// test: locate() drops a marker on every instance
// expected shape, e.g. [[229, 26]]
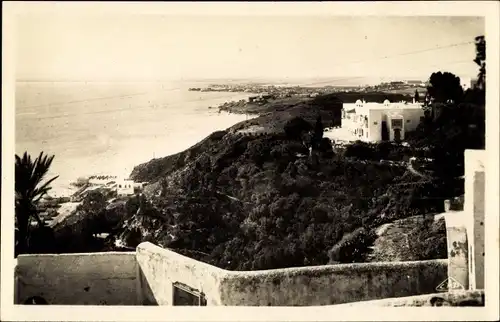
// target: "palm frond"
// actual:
[[28, 183], [41, 191]]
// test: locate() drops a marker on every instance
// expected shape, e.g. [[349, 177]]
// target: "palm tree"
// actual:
[[29, 190]]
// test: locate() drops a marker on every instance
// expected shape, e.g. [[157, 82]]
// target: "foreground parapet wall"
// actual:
[[332, 284], [156, 276], [78, 279], [161, 270]]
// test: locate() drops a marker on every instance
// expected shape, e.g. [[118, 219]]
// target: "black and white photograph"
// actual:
[[171, 159]]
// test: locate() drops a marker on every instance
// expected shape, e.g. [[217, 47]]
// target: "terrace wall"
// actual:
[[332, 284], [160, 268], [108, 278], [303, 286]]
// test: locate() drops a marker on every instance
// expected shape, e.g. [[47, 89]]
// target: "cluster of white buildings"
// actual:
[[122, 187], [374, 122]]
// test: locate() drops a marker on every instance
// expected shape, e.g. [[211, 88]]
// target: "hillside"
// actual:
[[248, 202], [254, 203], [409, 239]]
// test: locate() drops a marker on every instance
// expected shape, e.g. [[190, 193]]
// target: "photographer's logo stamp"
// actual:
[[449, 284]]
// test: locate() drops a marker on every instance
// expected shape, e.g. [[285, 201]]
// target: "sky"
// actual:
[[153, 47]]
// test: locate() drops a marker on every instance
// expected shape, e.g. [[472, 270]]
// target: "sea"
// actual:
[[107, 128]]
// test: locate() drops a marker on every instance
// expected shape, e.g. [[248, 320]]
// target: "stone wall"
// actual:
[[160, 268], [332, 284], [148, 277], [93, 279]]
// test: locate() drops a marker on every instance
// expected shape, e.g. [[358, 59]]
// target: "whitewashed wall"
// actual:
[[93, 279]]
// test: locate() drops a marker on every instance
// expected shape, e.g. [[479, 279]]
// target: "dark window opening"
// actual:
[[186, 295], [35, 300], [397, 122]]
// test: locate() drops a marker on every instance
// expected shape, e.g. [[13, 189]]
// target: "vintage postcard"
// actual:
[[267, 161]]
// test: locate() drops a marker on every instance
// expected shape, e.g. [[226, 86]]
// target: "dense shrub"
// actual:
[[353, 247], [295, 127], [360, 150], [325, 148], [429, 240]]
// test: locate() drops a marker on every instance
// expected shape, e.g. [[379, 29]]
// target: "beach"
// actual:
[[108, 128]]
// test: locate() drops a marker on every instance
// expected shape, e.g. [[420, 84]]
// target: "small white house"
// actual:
[[125, 187]]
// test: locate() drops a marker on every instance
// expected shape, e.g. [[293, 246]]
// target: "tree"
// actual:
[[318, 133], [94, 207], [427, 99], [417, 97], [480, 60], [444, 87], [353, 247], [29, 189], [295, 127]]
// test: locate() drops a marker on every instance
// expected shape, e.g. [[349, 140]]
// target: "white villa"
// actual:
[[374, 122]]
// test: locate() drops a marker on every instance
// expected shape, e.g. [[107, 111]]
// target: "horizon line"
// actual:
[[334, 78]]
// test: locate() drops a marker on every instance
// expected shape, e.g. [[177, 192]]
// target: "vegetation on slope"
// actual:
[[257, 203], [410, 239]]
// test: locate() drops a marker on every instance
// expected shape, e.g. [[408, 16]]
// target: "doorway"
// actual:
[[397, 135], [385, 131]]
